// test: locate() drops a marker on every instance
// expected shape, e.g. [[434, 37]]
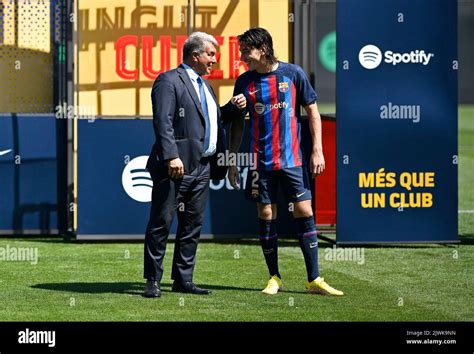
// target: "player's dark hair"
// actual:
[[259, 38]]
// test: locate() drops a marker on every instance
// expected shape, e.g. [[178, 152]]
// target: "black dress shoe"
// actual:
[[152, 289], [189, 287]]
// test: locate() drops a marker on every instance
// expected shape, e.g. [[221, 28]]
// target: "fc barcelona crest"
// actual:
[[255, 193], [283, 86]]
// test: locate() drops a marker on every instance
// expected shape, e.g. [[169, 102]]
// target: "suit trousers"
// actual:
[[187, 196]]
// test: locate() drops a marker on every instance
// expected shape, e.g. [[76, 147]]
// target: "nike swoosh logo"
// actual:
[[4, 152], [312, 245], [299, 195], [253, 92]]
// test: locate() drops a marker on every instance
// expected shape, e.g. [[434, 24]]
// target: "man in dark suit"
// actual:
[[189, 136]]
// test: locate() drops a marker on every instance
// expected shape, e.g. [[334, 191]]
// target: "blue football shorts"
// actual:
[[262, 186]]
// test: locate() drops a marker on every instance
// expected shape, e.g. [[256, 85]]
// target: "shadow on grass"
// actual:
[[124, 287], [322, 244], [467, 239], [94, 288], [37, 238], [283, 241]]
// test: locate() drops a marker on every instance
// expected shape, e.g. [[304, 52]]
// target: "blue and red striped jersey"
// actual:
[[274, 103]]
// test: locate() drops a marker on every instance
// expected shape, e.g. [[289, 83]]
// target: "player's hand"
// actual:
[[317, 164], [239, 101], [234, 177], [175, 168]]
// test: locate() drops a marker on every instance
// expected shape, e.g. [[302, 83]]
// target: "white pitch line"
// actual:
[[466, 211]]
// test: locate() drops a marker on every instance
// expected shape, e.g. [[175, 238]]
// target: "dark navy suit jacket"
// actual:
[[179, 123]]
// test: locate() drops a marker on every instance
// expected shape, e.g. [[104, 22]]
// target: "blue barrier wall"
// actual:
[[28, 174], [396, 121], [112, 156]]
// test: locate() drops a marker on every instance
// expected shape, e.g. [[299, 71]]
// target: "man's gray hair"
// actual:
[[196, 42]]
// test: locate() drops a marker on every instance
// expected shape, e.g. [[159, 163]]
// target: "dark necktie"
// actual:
[[202, 93]]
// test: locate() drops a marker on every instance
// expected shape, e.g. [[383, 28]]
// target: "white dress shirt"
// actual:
[[211, 108]]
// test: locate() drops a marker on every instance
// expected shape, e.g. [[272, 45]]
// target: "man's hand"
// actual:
[[234, 177], [316, 164], [239, 101], [175, 168]]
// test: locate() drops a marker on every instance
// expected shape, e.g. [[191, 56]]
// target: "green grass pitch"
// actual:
[[102, 281]]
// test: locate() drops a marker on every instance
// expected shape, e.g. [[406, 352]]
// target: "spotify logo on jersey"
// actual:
[[259, 107]]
